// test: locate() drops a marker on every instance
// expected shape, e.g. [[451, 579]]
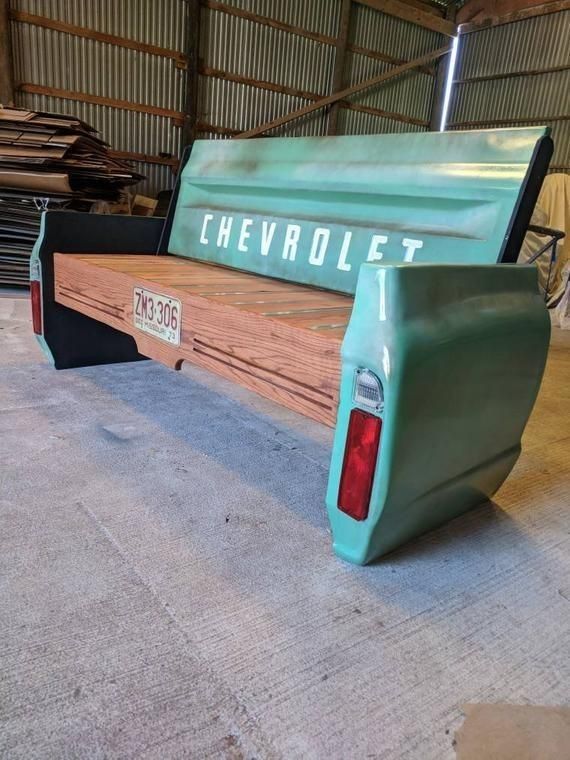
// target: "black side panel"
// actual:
[[74, 339], [527, 201], [165, 237]]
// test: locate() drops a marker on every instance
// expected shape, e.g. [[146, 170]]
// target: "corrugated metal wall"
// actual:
[[55, 59], [484, 95], [245, 62], [252, 69]]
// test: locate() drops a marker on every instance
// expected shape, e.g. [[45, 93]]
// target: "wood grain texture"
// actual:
[[279, 339], [93, 34]]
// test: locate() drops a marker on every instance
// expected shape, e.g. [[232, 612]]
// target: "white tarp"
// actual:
[[553, 210]]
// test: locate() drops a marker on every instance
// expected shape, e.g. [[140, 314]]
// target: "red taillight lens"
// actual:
[[36, 295], [360, 455]]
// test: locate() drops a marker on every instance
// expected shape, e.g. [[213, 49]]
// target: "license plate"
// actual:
[[157, 315]]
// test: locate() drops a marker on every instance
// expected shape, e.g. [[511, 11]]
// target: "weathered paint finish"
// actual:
[[460, 352], [312, 210]]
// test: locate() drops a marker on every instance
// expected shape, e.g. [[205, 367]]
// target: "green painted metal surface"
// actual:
[[460, 352], [415, 225], [313, 209]]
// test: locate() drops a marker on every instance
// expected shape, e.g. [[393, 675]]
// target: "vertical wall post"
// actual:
[[442, 69], [192, 31], [339, 56], [6, 63]]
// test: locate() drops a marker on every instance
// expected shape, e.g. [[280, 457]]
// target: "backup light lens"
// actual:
[[368, 390], [360, 456], [36, 297]]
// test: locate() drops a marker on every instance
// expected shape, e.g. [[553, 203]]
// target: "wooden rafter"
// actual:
[[528, 120], [99, 100], [413, 14], [347, 92], [216, 5], [521, 15], [92, 34], [514, 74], [306, 95], [231, 10]]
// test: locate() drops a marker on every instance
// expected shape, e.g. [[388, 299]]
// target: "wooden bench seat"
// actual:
[[353, 279], [278, 338]]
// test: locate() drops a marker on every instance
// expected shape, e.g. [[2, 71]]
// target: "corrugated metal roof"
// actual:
[[229, 43], [64, 61], [254, 50], [156, 22], [55, 59], [391, 35], [358, 123], [240, 107], [124, 130], [243, 47], [525, 97], [538, 43], [410, 94], [321, 16]]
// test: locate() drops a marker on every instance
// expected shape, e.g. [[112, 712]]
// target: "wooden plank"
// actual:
[[402, 117], [378, 56], [487, 123], [513, 74], [312, 96], [339, 59], [361, 86], [412, 14], [6, 64], [92, 34], [262, 84], [300, 32], [267, 21], [99, 100], [521, 15], [291, 357]]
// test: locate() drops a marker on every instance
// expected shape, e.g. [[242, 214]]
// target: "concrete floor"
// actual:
[[167, 587]]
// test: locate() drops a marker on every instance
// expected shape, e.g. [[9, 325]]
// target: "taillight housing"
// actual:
[[360, 457], [36, 297]]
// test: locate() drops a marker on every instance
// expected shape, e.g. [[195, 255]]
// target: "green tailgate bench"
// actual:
[[364, 281]]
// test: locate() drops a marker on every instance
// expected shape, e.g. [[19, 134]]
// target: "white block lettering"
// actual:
[[244, 234], [224, 231], [203, 238], [342, 263], [292, 235], [267, 232], [373, 253], [411, 246], [319, 245]]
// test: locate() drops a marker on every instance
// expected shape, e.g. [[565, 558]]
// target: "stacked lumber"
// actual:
[[49, 161]]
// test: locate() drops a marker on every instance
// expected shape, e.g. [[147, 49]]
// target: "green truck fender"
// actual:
[[459, 353]]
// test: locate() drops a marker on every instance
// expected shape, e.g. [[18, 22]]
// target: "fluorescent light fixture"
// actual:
[[449, 83]]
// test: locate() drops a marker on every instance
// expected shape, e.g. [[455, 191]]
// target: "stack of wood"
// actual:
[[49, 161]]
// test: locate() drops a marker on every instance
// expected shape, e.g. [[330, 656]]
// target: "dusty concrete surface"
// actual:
[[167, 587]]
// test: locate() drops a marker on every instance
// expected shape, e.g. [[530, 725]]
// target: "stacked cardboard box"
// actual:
[[49, 161]]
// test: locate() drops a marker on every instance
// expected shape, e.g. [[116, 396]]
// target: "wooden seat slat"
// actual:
[[277, 338]]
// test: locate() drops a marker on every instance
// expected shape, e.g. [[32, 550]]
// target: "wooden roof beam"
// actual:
[[413, 14]]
